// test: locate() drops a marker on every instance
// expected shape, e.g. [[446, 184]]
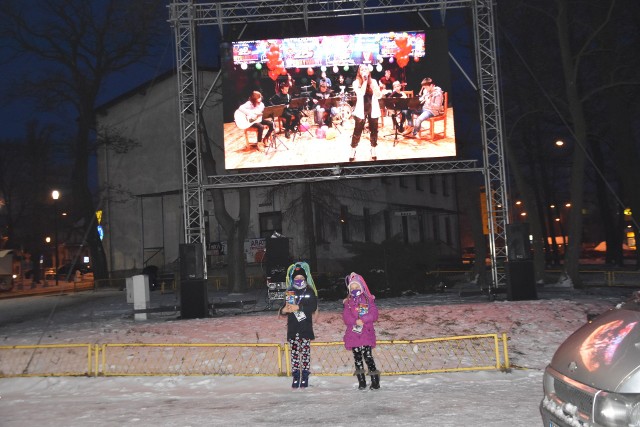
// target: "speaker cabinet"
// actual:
[[521, 281], [194, 301], [518, 245], [277, 252], [191, 260]]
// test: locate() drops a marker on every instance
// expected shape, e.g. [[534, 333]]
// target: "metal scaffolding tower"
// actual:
[[186, 16]]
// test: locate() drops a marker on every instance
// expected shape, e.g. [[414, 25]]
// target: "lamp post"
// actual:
[[55, 195], [44, 270]]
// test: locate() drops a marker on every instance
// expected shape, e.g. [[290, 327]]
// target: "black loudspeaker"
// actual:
[[191, 261], [518, 244], [277, 253], [194, 301], [521, 281]]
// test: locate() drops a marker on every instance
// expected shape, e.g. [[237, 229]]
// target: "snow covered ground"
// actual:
[[535, 329]]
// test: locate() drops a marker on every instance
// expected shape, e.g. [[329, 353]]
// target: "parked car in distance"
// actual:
[[594, 376]]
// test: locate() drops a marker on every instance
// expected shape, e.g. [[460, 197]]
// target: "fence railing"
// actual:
[[46, 360], [449, 354]]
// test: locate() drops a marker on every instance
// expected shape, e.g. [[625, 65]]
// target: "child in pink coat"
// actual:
[[359, 314]]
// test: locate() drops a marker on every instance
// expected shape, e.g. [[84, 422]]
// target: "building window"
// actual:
[[447, 230], [432, 184], [419, 186], [387, 225], [367, 224], [435, 227], [445, 185], [344, 224], [385, 180], [421, 229], [403, 181], [405, 229], [270, 222], [319, 220]]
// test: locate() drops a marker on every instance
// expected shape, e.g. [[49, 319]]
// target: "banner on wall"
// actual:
[[254, 249]]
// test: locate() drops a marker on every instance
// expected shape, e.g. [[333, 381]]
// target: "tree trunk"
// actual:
[[309, 228], [574, 248], [531, 205], [83, 199], [236, 231]]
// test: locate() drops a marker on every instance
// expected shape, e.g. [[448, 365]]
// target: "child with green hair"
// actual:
[[301, 302]]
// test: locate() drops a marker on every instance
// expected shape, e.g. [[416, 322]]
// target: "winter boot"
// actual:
[[362, 382], [375, 381], [304, 381], [296, 379]]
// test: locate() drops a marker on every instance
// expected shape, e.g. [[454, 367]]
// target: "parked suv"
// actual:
[[594, 376]]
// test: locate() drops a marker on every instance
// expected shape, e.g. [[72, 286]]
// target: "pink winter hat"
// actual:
[[356, 278]]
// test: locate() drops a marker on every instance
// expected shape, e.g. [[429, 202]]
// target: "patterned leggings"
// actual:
[[300, 353], [364, 352]]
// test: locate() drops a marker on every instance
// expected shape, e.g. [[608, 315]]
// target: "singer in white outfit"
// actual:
[[367, 108]]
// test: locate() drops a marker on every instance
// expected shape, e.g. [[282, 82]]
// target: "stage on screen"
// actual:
[[306, 87]]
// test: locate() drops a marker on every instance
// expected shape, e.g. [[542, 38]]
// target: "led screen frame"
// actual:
[[246, 68]]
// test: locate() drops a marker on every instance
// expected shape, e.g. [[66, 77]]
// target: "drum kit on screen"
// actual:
[[344, 101]]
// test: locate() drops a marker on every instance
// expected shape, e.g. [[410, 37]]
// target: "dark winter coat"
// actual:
[[308, 303], [350, 314]]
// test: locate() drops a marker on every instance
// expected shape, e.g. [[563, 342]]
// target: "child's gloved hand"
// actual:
[[290, 308]]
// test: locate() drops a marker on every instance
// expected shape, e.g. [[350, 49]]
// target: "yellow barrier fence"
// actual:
[[45, 360], [451, 354], [190, 359]]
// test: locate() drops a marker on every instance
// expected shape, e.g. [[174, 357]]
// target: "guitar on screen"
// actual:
[[243, 121]]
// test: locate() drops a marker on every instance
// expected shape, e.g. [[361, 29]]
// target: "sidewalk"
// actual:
[[27, 287]]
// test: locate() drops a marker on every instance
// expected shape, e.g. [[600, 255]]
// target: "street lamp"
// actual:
[[55, 195]]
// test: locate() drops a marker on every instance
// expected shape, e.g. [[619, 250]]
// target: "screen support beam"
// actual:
[[185, 16]]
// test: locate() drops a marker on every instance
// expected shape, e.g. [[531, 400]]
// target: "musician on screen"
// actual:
[[387, 80], [291, 116], [431, 98], [399, 116], [252, 110], [325, 79], [367, 107], [322, 116], [340, 85]]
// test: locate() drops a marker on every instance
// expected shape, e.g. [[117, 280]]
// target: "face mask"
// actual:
[[299, 283], [355, 293]]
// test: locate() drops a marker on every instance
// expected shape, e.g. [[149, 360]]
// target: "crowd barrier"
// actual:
[[449, 354]]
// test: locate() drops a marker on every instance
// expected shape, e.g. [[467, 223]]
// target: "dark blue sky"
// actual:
[[15, 113]]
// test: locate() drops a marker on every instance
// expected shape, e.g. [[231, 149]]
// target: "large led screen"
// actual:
[[308, 93]]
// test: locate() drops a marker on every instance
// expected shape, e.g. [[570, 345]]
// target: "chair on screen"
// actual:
[[251, 142]]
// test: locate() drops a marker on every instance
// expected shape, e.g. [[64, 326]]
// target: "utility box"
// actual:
[[138, 294]]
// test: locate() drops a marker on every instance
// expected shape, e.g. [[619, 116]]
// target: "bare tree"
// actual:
[[572, 41], [78, 46]]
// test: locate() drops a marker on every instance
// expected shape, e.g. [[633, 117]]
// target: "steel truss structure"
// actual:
[[186, 16]]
